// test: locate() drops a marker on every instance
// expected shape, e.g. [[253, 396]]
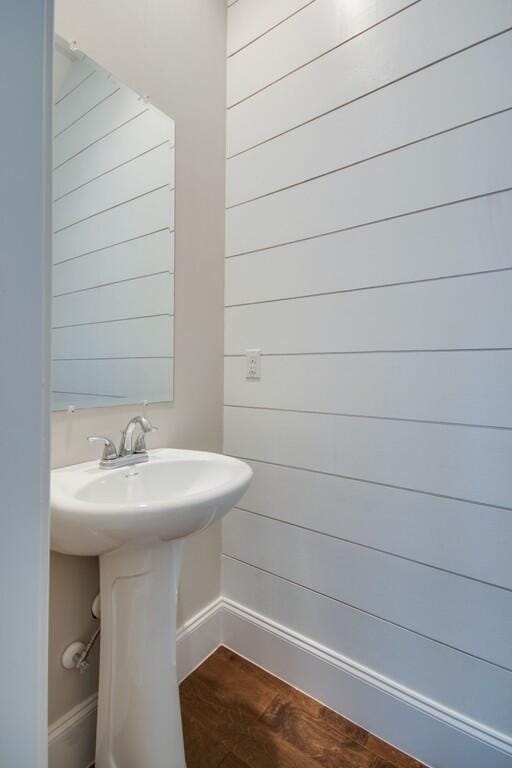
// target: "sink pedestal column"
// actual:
[[139, 720]]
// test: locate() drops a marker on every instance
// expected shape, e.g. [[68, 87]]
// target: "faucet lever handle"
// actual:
[[109, 451]]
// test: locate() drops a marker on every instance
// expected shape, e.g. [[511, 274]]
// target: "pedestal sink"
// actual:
[[135, 518]]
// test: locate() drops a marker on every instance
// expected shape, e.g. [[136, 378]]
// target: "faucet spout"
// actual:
[[127, 446]]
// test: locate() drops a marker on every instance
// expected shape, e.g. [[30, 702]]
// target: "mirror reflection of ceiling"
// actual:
[[113, 245], [62, 65]]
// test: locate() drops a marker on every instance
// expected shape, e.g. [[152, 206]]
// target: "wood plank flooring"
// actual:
[[235, 715]]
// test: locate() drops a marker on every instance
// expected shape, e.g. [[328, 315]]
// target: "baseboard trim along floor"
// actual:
[[418, 726], [71, 739]]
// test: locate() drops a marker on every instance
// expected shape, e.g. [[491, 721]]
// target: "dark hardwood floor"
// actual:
[[235, 715]]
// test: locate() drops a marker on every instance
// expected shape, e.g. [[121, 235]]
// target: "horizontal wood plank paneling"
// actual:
[[402, 317], [137, 337], [368, 240], [151, 212], [144, 255], [84, 98], [425, 600], [456, 387], [407, 111], [379, 645], [450, 240], [319, 27], [122, 106], [463, 462], [61, 400], [143, 174], [147, 130], [75, 75], [116, 378], [457, 536], [113, 247], [403, 44], [474, 160], [247, 20], [140, 297]]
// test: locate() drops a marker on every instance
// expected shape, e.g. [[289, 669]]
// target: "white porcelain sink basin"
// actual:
[[174, 494], [135, 518]]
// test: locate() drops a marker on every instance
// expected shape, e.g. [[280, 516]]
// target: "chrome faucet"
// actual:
[[127, 446], [130, 451]]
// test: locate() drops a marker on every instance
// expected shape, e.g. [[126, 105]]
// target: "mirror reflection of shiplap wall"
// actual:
[[113, 247]]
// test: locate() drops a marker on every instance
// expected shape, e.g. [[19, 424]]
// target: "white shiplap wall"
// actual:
[[369, 210], [113, 248]]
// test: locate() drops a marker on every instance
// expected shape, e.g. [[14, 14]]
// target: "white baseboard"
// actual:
[[198, 638], [431, 732], [71, 739]]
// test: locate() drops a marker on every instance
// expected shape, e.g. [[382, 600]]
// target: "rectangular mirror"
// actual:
[[113, 242]]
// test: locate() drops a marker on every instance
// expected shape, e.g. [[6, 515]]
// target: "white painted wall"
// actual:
[[175, 53], [368, 255], [26, 49], [113, 244]]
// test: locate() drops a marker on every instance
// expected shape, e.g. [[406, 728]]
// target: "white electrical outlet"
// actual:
[[253, 364]]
